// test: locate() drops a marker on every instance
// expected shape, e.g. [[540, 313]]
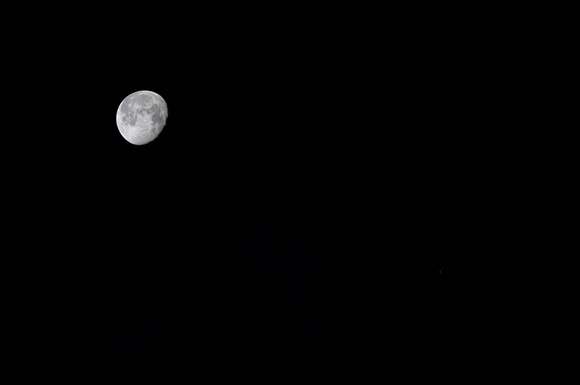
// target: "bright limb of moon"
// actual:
[[141, 117]]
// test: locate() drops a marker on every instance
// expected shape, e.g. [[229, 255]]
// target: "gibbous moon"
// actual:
[[141, 117]]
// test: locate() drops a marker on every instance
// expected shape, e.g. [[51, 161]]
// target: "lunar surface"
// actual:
[[141, 117]]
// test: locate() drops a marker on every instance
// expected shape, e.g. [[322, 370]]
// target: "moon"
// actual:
[[141, 117]]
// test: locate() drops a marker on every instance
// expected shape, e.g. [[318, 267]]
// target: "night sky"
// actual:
[[298, 220]]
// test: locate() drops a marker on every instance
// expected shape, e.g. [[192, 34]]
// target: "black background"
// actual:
[[299, 217]]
